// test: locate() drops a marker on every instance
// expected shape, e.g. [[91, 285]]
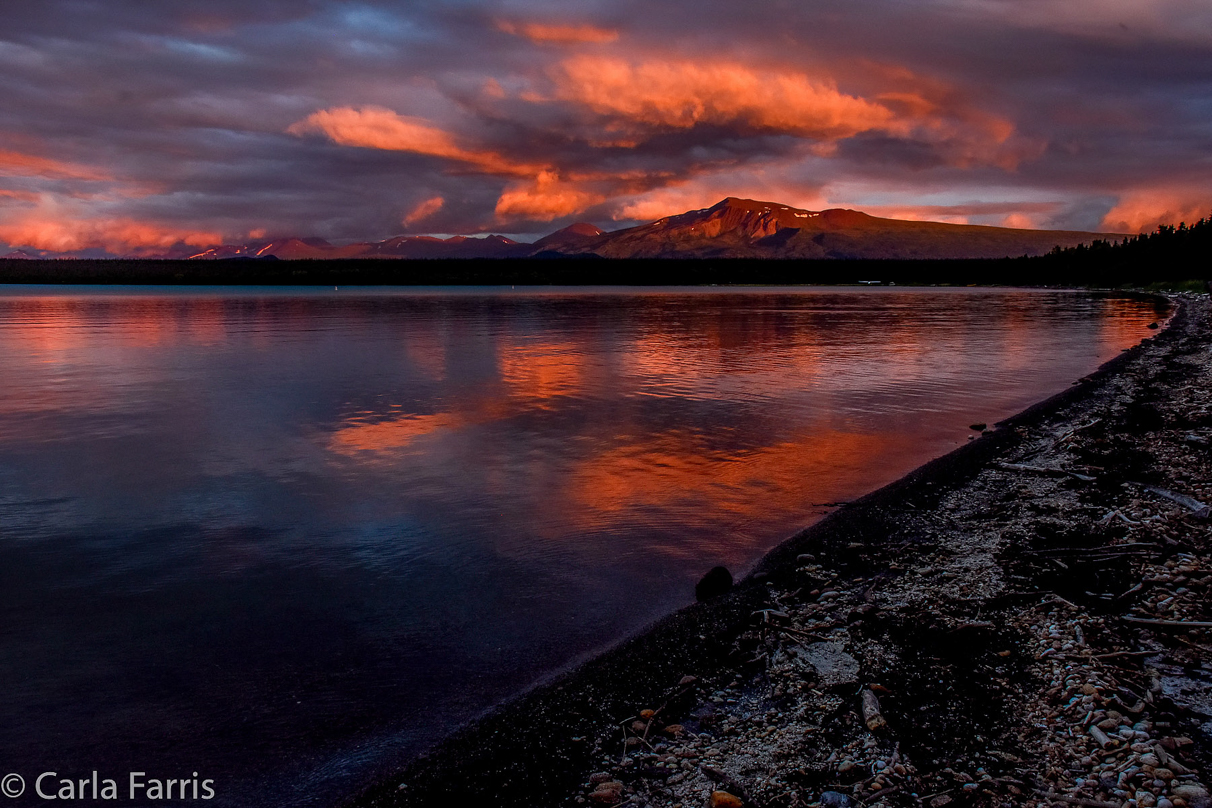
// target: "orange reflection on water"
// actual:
[[539, 372], [356, 436], [676, 470]]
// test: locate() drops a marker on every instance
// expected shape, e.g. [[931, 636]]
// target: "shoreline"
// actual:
[[557, 743]]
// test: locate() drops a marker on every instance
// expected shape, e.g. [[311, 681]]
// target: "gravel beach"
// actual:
[[1024, 622]]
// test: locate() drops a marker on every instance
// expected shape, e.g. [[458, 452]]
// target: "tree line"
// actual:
[[1169, 253]]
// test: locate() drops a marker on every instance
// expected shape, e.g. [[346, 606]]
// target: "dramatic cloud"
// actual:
[[544, 199], [63, 233], [124, 130], [423, 211], [685, 94], [376, 128], [543, 33], [1144, 210], [15, 163]]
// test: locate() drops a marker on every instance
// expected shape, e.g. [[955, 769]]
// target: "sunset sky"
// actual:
[[133, 126]]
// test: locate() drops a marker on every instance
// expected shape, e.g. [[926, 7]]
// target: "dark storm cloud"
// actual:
[[128, 125]]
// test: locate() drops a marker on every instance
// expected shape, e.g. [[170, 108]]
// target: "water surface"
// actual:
[[287, 538]]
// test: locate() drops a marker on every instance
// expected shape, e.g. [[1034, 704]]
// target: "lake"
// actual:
[[287, 538]]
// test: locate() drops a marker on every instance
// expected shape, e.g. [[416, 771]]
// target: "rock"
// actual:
[[647, 714], [1153, 326], [978, 427], [715, 583], [835, 799], [833, 665], [940, 801], [675, 729], [722, 799], [1189, 791], [687, 680], [608, 793], [600, 777]]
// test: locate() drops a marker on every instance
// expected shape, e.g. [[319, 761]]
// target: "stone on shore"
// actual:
[[722, 799], [715, 583]]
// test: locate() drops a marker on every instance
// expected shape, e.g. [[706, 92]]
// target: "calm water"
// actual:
[[286, 538]]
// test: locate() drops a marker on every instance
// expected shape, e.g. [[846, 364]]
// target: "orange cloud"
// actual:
[[378, 128], [545, 198], [423, 211], [683, 94], [542, 33], [67, 233], [1023, 215], [29, 165], [1143, 210]]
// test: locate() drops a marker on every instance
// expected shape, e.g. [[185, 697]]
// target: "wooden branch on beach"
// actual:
[[1051, 472], [1144, 621], [1085, 803], [1200, 509], [1074, 431], [871, 711]]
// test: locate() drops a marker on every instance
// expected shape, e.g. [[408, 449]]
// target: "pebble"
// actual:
[[722, 799], [608, 793], [835, 799], [1189, 791]]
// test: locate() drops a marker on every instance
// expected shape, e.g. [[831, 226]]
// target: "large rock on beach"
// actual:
[[715, 583]]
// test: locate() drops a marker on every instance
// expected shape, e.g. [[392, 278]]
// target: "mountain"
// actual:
[[744, 228], [733, 228], [455, 247], [399, 247], [20, 255], [571, 239]]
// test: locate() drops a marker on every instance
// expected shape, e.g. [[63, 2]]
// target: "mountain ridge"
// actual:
[[732, 228]]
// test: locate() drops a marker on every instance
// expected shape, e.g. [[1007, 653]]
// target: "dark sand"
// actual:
[[989, 602]]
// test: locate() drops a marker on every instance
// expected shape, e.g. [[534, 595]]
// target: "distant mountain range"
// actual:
[[733, 228]]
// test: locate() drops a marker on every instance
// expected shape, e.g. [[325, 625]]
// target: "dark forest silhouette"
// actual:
[[1169, 253]]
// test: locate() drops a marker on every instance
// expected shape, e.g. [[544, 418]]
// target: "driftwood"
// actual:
[[1052, 795], [1168, 623], [871, 711], [1051, 472], [1200, 509], [1099, 736]]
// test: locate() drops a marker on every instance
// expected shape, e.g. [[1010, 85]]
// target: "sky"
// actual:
[[129, 126]]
